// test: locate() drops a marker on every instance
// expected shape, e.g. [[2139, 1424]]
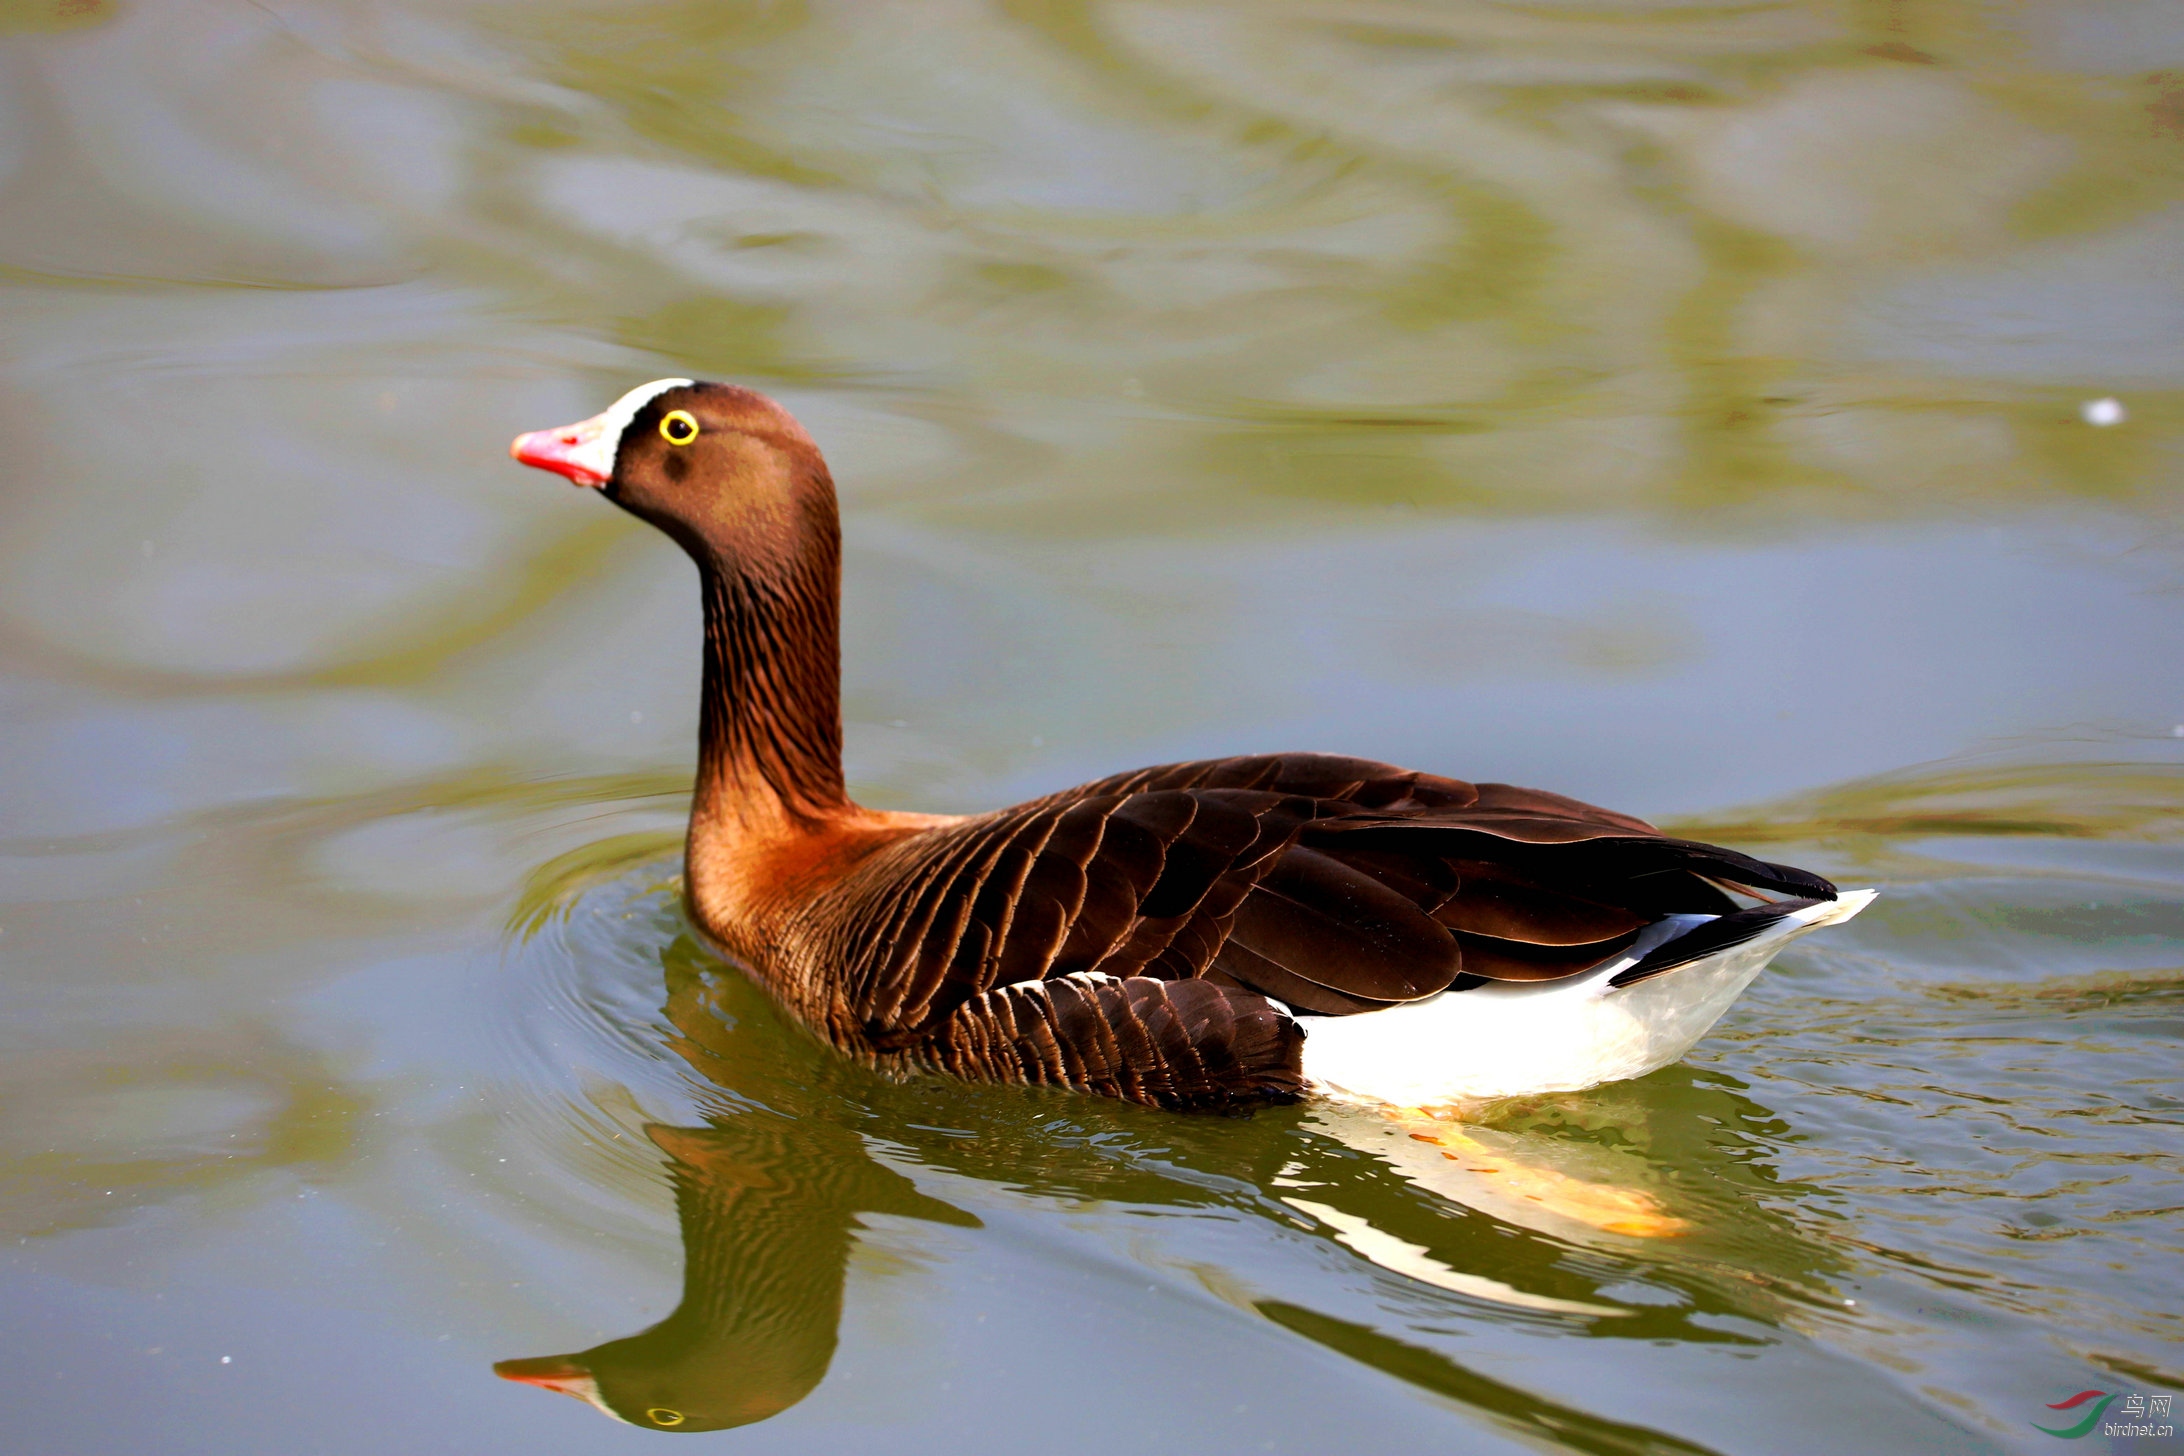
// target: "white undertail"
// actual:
[[1509, 1038]]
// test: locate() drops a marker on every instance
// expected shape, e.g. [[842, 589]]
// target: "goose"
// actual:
[[1194, 936]]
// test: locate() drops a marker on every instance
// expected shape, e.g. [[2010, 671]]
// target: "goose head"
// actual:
[[673, 1380], [723, 470]]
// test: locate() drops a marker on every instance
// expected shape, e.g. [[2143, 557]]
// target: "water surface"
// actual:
[[1682, 406]]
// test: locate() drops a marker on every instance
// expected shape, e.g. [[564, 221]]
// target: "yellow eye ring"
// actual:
[[678, 427], [660, 1415]]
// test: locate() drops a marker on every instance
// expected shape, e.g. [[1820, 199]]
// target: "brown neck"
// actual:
[[770, 721]]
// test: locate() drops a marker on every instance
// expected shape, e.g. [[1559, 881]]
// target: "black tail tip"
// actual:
[[1719, 934]]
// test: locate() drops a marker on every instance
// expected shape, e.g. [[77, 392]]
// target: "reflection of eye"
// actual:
[[660, 1415], [678, 428]]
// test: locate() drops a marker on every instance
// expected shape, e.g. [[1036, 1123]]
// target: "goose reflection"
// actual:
[[768, 1206], [768, 1202]]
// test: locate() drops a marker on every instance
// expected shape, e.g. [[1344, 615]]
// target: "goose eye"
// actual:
[[678, 428], [660, 1415]]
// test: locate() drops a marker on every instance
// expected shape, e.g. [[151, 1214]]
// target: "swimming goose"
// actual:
[[1219, 933]]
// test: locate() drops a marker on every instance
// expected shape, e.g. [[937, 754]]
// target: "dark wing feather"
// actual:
[[1503, 901], [1333, 885], [1335, 925], [1494, 959], [1118, 883]]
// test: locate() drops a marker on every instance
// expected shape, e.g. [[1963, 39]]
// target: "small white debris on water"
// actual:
[[226, 1359], [2105, 411]]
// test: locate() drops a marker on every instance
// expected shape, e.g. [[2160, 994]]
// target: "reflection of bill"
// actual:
[[767, 1205]]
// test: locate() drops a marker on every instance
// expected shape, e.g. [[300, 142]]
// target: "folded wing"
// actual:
[[1021, 945]]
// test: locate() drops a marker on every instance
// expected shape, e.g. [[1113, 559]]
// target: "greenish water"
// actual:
[[1678, 405]]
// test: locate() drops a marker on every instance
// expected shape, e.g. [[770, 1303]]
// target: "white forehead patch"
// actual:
[[599, 450], [618, 415], [586, 1388]]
